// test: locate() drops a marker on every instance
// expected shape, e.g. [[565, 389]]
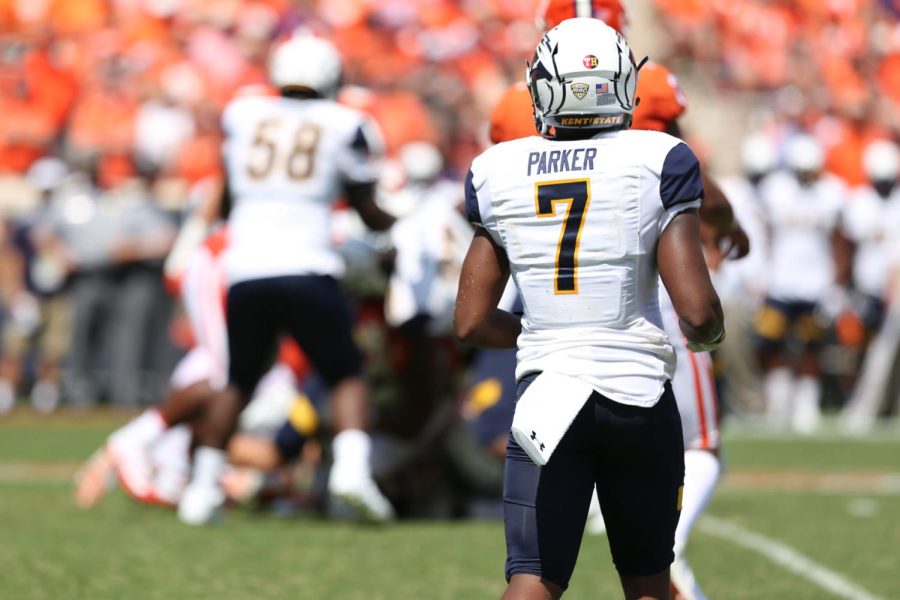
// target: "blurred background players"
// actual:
[[803, 207], [741, 283], [118, 91], [287, 159], [870, 220]]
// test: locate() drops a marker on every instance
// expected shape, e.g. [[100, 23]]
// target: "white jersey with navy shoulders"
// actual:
[[580, 221], [287, 161]]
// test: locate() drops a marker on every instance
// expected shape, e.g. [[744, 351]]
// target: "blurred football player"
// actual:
[[802, 208], [871, 220], [741, 284], [287, 160], [869, 223], [200, 281], [568, 210], [275, 426]]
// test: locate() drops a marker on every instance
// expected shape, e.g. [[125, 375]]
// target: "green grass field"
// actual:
[[835, 501]]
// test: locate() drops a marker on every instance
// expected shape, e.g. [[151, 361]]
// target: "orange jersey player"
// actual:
[[552, 12], [661, 99], [661, 103], [512, 117]]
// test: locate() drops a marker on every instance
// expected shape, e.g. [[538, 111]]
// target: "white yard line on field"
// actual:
[[786, 557]]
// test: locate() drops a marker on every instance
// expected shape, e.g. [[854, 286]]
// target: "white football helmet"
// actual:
[[582, 76], [881, 160], [803, 153], [306, 62], [421, 161], [758, 155]]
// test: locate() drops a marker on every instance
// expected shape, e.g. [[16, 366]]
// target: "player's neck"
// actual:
[[565, 135], [299, 93]]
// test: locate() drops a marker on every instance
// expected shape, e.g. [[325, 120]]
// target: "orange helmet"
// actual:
[[513, 116], [661, 99], [552, 12]]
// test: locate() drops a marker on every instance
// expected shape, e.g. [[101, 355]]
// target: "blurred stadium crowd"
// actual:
[[109, 133]]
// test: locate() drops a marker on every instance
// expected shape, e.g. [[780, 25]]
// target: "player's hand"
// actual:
[[735, 244], [706, 346], [835, 301]]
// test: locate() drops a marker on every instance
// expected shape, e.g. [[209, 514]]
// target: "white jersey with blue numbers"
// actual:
[[287, 161], [580, 221]]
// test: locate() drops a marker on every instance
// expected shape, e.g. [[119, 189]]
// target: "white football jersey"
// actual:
[[872, 223], [286, 162], [580, 221], [743, 281], [801, 220], [431, 243]]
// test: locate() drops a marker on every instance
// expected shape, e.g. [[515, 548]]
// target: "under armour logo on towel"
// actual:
[[534, 437]]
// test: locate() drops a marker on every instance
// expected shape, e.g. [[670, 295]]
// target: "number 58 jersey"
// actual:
[[287, 161], [580, 221]]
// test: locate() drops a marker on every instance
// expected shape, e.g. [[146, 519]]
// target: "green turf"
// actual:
[[814, 454], [50, 445], [829, 530], [50, 549], [63, 436]]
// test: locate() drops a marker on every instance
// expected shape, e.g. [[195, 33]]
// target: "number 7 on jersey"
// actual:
[[576, 194]]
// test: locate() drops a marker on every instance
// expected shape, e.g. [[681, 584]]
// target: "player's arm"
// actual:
[[221, 204], [213, 206], [359, 162], [477, 320], [683, 270], [361, 197], [722, 234], [717, 215], [843, 248], [715, 210]]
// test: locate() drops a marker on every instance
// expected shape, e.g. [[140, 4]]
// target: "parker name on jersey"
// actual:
[[580, 221]]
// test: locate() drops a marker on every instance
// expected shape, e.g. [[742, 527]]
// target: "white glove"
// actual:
[[708, 346], [835, 301]]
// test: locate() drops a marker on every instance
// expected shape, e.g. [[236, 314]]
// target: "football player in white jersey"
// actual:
[[150, 454], [872, 221], [869, 222], [801, 209], [287, 161], [661, 104], [586, 219]]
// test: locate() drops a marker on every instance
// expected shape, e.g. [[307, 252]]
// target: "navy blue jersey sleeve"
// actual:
[[473, 212], [680, 179], [360, 143]]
